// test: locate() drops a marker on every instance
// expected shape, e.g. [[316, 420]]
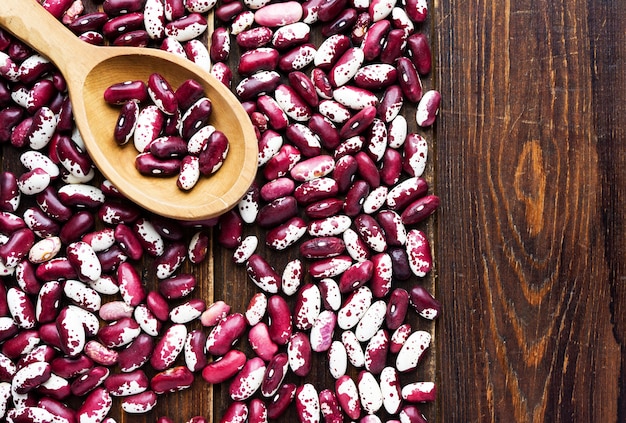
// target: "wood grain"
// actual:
[[530, 237]]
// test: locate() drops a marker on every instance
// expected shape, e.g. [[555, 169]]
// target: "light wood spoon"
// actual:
[[89, 70]]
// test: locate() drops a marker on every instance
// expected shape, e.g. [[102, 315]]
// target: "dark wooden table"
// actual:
[[530, 165], [530, 243]]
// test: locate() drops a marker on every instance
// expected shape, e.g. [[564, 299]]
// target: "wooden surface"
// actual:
[[529, 241], [530, 165]]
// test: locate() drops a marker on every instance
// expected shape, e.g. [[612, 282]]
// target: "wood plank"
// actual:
[[530, 244], [219, 278]]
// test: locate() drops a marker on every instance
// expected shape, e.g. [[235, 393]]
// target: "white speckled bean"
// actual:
[[369, 392], [337, 359], [371, 321], [292, 277], [412, 350]]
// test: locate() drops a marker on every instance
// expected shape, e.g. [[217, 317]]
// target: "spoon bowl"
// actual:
[[90, 70]]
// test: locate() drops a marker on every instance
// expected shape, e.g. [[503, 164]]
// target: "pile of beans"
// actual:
[[340, 186], [172, 135]]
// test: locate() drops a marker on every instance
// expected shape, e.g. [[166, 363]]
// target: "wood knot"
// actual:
[[530, 185]]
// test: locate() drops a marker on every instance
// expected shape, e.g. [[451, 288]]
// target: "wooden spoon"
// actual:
[[89, 70]]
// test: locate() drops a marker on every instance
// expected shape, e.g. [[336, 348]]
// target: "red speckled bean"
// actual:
[[195, 359], [307, 403], [274, 374], [277, 211], [304, 139], [262, 58], [139, 403], [322, 84], [355, 197], [281, 401], [286, 234], [214, 313], [418, 49], [424, 303], [263, 274], [370, 232], [330, 267], [136, 354], [382, 276], [324, 208], [220, 45], [227, 11], [236, 412], [224, 74], [261, 343], [419, 392], [326, 131], [70, 367], [257, 411], [340, 23], [254, 37], [30, 376], [376, 352], [131, 285], [406, 192], [57, 408], [418, 252], [177, 286], [248, 380], [225, 334], [231, 229], [277, 118], [259, 83], [322, 331], [88, 381], [322, 247], [391, 103], [169, 347], [395, 42], [171, 260], [348, 396], [299, 354], [316, 190], [420, 209], [225, 367], [409, 79], [118, 7], [282, 162], [277, 188], [297, 58], [356, 276], [119, 333], [304, 87], [331, 296], [374, 38], [428, 108], [280, 319], [172, 380], [212, 157], [292, 277], [329, 407], [276, 15], [120, 93], [187, 27], [123, 24]]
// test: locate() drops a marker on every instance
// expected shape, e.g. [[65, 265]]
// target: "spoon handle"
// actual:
[[35, 26]]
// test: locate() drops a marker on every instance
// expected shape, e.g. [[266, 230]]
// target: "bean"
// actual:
[[224, 367], [172, 380], [248, 380]]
